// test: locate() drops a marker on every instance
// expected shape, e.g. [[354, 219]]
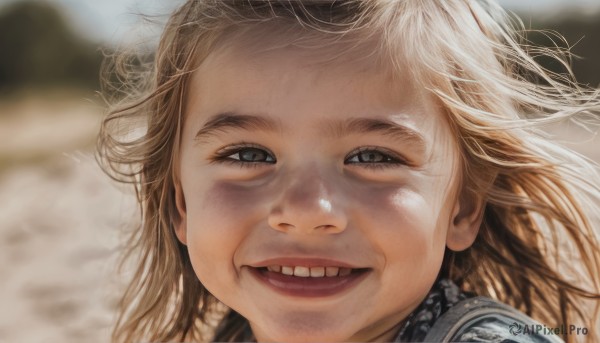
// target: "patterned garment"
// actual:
[[443, 295], [489, 320]]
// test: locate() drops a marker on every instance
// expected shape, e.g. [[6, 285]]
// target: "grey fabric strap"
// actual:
[[481, 319]]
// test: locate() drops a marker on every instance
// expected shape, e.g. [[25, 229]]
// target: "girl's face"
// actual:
[[289, 166]]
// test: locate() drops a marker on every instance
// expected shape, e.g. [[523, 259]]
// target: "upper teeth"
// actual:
[[310, 271]]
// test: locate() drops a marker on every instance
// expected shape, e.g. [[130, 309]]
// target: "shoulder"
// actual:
[[482, 319]]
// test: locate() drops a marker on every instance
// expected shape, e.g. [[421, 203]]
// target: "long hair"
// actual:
[[537, 247]]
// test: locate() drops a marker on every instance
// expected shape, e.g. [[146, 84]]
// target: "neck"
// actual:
[[385, 331]]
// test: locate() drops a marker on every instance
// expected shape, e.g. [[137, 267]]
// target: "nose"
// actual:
[[310, 203]]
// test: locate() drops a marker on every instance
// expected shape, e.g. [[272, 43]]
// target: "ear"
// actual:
[[466, 219], [180, 223]]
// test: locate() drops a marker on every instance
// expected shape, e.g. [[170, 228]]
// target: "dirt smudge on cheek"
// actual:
[[235, 202]]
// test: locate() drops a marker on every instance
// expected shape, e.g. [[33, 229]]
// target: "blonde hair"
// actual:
[[542, 201]]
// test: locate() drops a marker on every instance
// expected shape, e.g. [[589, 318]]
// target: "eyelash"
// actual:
[[224, 156], [393, 159]]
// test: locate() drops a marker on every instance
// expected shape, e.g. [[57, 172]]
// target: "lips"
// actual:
[[308, 277]]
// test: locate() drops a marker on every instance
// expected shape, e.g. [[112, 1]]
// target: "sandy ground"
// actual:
[[61, 224]]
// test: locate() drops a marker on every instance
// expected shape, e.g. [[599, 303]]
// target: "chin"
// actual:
[[306, 337], [308, 331]]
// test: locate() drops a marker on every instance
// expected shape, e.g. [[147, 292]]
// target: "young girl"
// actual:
[[362, 170]]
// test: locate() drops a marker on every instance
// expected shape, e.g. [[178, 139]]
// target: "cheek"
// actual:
[[227, 202], [408, 229], [397, 212], [219, 216]]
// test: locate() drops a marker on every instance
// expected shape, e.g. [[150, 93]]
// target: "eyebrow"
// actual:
[[230, 120], [383, 127], [338, 129]]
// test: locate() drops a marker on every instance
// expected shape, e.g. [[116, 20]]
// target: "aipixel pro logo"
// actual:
[[515, 328], [539, 329]]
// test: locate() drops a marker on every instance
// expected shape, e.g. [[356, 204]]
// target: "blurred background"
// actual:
[[61, 219]]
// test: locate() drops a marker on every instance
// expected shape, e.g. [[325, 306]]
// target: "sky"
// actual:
[[117, 21]]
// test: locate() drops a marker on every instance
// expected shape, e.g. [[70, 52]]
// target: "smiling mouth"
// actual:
[[301, 281], [302, 271]]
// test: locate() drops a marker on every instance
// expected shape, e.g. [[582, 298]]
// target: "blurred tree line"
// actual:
[[39, 50]]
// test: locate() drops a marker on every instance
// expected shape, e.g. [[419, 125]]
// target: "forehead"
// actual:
[[284, 49], [300, 80], [257, 73]]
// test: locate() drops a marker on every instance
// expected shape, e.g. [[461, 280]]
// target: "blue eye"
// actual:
[[370, 157], [252, 155], [374, 158], [244, 155]]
